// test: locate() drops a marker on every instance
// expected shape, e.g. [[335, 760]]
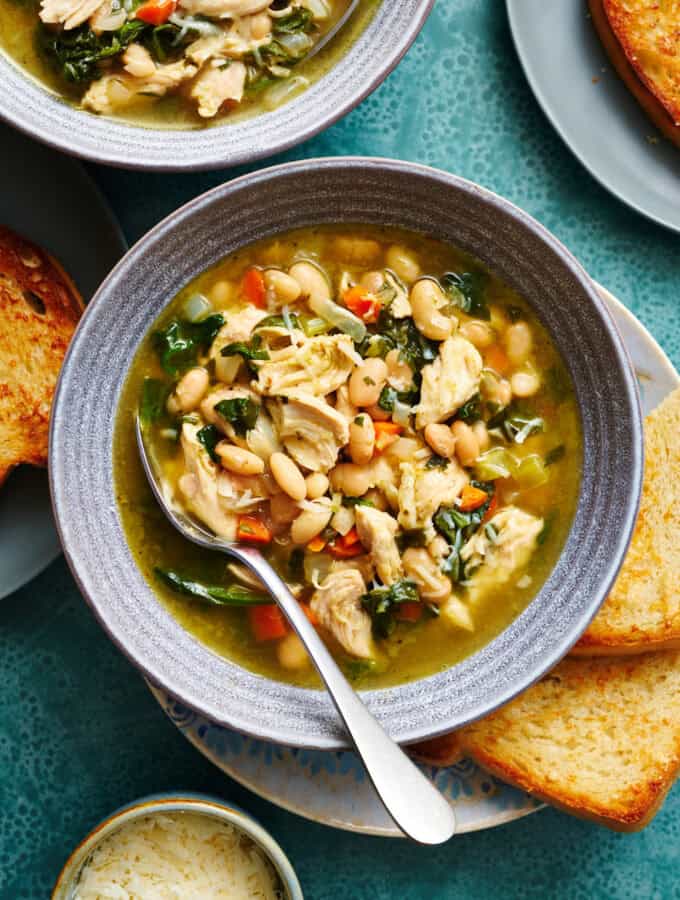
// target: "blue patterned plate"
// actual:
[[332, 788]]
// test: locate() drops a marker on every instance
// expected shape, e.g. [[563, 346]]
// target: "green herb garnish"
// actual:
[[216, 595], [381, 603]]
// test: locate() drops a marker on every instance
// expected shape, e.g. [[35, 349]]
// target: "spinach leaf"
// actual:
[[299, 19], [77, 53], [279, 322], [555, 455], [357, 668], [249, 352], [216, 595], [471, 410], [356, 501], [516, 422], [548, 525], [457, 526], [412, 537], [389, 396], [210, 437], [402, 335], [437, 462], [468, 292], [380, 604], [179, 344], [241, 412], [154, 397]]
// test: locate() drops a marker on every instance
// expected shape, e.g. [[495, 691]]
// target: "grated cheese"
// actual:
[[175, 856]]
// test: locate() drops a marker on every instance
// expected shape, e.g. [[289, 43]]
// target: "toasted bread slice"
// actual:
[[599, 738], [39, 310], [642, 611], [642, 41], [444, 750]]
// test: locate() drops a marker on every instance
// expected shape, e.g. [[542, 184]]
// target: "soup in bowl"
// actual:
[[388, 422], [398, 386]]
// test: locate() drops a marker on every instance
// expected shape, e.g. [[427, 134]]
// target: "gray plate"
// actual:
[[360, 70], [260, 205], [601, 122], [51, 201]]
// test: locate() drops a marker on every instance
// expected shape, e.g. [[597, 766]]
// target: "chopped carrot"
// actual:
[[409, 612], [349, 539], [337, 551], [362, 303], [156, 12], [496, 359], [252, 287], [267, 622], [493, 506], [253, 530], [472, 498], [388, 428], [386, 433], [316, 545]]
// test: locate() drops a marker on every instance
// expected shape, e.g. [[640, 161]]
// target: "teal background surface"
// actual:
[[79, 731]]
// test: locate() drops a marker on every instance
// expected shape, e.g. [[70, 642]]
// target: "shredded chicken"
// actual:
[[499, 549], [112, 93], [377, 532], [138, 62], [199, 485], [69, 13], [337, 605], [400, 306], [422, 491], [217, 84], [311, 431], [238, 327], [448, 381], [318, 367]]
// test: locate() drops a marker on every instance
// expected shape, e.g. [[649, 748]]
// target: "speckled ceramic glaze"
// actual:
[[256, 206], [29, 106], [185, 802]]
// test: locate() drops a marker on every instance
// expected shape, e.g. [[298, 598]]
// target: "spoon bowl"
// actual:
[[412, 801]]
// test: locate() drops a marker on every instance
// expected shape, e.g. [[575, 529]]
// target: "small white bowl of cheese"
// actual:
[[169, 846]]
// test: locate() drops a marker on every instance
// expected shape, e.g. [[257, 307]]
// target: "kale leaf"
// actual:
[[381, 603], [241, 412], [154, 397], [210, 437], [471, 410], [468, 292], [249, 352], [216, 595], [180, 342], [78, 52]]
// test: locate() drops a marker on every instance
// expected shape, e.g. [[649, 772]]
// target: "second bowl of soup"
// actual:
[[401, 415]]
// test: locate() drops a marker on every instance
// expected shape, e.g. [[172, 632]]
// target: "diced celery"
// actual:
[[531, 472], [495, 463]]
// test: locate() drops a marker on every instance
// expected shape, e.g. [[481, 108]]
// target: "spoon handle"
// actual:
[[412, 801]]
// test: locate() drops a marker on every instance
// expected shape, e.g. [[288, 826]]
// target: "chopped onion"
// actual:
[[340, 317], [401, 413], [197, 307], [297, 43], [191, 23], [285, 90], [318, 8]]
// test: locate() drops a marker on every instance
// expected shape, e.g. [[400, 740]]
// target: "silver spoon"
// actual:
[[413, 802], [330, 34]]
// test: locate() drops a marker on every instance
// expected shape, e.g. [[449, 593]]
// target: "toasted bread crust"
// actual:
[[642, 612], [441, 751], [598, 738], [39, 310], [612, 25]]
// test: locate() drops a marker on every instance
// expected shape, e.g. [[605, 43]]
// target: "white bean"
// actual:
[[222, 293], [426, 299], [359, 251], [313, 283], [260, 26], [291, 652], [441, 440], [282, 509], [518, 341], [367, 381], [524, 384], [467, 446], [350, 480], [288, 476], [402, 262], [189, 391], [239, 461], [480, 431], [317, 485], [478, 333], [284, 287], [361, 439], [310, 522]]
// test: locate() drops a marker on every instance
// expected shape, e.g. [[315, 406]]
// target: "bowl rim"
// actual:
[[198, 803], [30, 122], [558, 650]]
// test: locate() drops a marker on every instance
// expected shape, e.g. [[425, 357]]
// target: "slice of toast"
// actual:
[[39, 310], [642, 40], [642, 611], [599, 738]]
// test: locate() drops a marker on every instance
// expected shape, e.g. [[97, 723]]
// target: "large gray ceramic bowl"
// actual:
[[259, 205], [29, 106]]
